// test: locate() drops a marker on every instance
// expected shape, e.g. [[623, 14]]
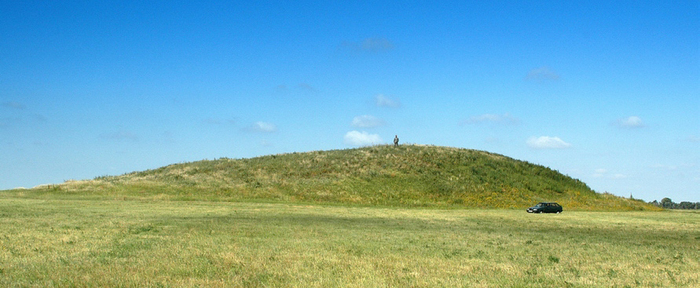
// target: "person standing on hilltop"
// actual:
[[396, 140]]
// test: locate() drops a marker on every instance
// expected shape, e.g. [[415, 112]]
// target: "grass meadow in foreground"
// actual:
[[106, 243]]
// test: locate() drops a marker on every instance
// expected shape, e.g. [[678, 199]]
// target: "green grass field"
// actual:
[[113, 243]]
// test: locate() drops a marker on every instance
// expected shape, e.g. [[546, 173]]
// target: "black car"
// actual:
[[545, 207]]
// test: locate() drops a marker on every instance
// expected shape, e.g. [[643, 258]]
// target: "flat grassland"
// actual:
[[111, 243]]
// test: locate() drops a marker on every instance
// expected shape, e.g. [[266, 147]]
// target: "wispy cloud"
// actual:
[[384, 101], [281, 88], [306, 87], [630, 122], [491, 118], [219, 121], [24, 118], [547, 142], [262, 127], [542, 74], [303, 87], [376, 45], [13, 105], [39, 118], [121, 135], [369, 45], [693, 138], [167, 137], [6, 121], [356, 138], [23, 115], [367, 121], [664, 167], [604, 173]]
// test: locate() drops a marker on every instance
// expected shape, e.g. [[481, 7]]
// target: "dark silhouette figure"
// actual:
[[396, 140]]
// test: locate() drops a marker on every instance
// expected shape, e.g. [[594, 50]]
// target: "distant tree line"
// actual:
[[669, 204]]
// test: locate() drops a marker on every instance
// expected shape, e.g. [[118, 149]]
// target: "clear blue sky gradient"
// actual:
[[604, 91]]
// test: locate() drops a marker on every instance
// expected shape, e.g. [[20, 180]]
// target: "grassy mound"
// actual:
[[409, 175]]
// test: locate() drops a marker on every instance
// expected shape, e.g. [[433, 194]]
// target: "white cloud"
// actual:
[[384, 101], [604, 173], [262, 127], [542, 74], [356, 138], [546, 142], [600, 172], [664, 167], [367, 121], [631, 122], [492, 118]]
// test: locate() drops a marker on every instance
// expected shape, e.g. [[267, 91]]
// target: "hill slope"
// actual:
[[409, 175]]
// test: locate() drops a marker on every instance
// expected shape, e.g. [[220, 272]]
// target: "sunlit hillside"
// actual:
[[408, 175]]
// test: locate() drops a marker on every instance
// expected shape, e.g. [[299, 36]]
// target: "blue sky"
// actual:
[[604, 91]]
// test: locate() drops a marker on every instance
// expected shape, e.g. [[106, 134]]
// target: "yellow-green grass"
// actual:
[[111, 243]]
